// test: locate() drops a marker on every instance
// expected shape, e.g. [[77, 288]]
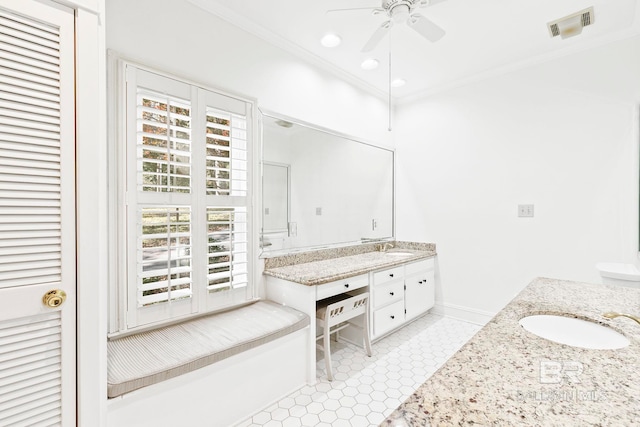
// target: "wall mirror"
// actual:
[[322, 189]]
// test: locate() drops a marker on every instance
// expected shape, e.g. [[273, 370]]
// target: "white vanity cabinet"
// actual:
[[419, 294], [400, 294]]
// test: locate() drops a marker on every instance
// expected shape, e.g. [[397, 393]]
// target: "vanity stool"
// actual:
[[333, 314]]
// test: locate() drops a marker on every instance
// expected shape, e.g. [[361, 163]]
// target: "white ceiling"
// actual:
[[483, 37]]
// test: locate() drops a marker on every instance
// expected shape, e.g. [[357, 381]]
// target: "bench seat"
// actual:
[[147, 358]]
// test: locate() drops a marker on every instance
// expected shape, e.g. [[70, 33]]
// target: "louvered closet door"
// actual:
[[37, 214]]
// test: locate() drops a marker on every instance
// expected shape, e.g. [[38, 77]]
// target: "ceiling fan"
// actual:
[[398, 12]]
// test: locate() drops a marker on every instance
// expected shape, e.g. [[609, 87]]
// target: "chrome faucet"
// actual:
[[613, 315]]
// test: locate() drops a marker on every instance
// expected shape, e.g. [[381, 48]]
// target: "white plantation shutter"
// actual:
[[37, 214], [164, 255], [227, 232], [227, 227], [159, 189], [187, 187], [164, 143], [226, 153]]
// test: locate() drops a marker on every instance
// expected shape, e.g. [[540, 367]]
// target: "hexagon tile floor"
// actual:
[[365, 390]]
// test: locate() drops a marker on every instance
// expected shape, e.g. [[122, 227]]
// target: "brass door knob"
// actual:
[[54, 298]]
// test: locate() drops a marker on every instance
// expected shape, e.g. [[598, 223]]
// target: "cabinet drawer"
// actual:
[[416, 267], [384, 276], [383, 294], [340, 286], [388, 318]]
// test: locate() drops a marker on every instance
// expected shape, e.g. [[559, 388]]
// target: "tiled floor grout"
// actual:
[[365, 390]]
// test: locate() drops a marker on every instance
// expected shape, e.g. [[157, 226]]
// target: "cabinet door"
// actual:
[[419, 293], [37, 215]]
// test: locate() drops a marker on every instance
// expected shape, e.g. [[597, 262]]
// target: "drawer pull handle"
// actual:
[[420, 282], [391, 275], [393, 317], [346, 285], [391, 293]]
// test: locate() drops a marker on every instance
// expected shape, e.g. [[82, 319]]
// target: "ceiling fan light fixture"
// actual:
[[400, 13], [330, 40], [370, 64], [398, 83]]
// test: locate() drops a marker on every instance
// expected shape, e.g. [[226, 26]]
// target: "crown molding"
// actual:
[[269, 36]]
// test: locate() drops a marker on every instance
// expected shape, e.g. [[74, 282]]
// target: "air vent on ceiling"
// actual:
[[571, 25]]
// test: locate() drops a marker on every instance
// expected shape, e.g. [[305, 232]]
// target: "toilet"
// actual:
[[617, 273]]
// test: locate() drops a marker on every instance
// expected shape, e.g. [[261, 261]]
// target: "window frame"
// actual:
[[122, 199]]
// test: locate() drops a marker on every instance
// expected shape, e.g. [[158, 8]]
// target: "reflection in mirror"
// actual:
[[275, 197], [339, 190]]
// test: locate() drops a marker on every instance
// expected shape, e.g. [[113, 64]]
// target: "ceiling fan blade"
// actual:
[[377, 36], [425, 27], [351, 9], [426, 3]]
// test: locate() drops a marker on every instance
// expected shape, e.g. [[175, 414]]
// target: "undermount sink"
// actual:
[[574, 332], [398, 253]]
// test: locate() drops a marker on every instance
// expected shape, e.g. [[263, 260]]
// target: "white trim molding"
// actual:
[[471, 315], [91, 187]]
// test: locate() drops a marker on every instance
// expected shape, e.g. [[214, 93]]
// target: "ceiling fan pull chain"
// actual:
[[389, 81]]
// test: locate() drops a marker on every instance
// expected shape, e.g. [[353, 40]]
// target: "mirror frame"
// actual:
[[277, 116]]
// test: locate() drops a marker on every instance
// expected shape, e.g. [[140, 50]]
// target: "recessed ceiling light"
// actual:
[[369, 64], [398, 83], [331, 40]]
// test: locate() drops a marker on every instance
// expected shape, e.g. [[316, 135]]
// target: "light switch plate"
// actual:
[[525, 211]]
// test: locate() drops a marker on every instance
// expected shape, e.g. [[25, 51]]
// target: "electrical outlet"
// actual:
[[266, 211], [318, 211], [374, 224], [525, 211], [293, 229]]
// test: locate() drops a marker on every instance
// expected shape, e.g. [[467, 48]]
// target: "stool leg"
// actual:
[[327, 352], [365, 333]]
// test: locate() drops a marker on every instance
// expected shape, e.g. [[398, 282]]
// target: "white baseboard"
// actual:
[[467, 314]]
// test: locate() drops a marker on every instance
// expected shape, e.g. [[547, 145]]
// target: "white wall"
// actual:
[[561, 135], [176, 37]]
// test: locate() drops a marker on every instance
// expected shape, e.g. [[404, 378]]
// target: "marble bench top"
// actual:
[[316, 269], [495, 379]]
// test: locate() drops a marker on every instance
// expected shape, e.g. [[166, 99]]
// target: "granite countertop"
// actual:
[[495, 379], [326, 266]]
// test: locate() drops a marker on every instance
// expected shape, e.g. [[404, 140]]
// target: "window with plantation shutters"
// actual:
[[187, 199]]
